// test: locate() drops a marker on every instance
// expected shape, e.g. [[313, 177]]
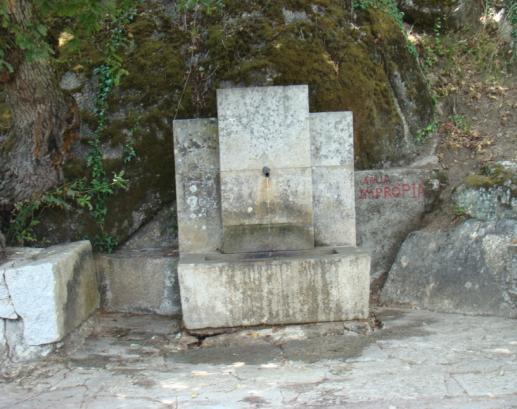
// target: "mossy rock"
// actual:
[[359, 63], [454, 14]]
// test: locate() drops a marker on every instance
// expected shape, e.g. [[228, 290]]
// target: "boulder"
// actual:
[[356, 62], [390, 204], [450, 13], [490, 195], [471, 269]]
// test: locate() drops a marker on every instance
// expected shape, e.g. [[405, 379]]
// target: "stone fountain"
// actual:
[[266, 213]]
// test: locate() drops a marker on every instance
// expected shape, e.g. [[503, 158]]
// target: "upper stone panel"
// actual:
[[332, 139], [264, 126]]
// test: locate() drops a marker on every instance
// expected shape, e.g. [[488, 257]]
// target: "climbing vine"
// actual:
[[92, 192]]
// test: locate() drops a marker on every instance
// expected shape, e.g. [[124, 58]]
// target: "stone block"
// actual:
[[334, 206], [470, 269], [332, 139], [259, 125], [196, 146], [197, 185], [140, 282], [13, 255], [323, 284], [199, 212], [53, 292], [250, 198], [391, 203]]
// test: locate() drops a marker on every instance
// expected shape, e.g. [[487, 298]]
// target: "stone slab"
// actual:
[[264, 126], [250, 198], [197, 185], [259, 128], [334, 206], [470, 269], [53, 292], [390, 203], [140, 281], [304, 287], [332, 139]]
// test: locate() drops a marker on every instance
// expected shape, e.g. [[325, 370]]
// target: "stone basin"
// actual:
[[286, 287]]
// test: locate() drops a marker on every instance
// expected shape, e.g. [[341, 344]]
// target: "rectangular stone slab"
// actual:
[[196, 157], [264, 126], [332, 151], [330, 284]]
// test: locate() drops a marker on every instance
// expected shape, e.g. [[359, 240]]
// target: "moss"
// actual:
[[492, 176], [478, 181]]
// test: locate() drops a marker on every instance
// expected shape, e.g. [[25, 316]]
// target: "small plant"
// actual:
[[459, 211], [460, 122], [422, 135]]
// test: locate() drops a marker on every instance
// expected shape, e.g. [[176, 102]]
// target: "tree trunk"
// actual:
[[45, 123]]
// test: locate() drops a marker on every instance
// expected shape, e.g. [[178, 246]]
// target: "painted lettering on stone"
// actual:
[[381, 187]]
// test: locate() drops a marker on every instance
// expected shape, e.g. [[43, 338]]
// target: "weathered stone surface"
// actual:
[[197, 170], [332, 139], [334, 206], [471, 269], [17, 348], [6, 306], [486, 203], [311, 286], [389, 205], [3, 341], [265, 161], [249, 198], [161, 231], [332, 156], [196, 154], [13, 255], [490, 195], [53, 292], [264, 126], [420, 360], [256, 208], [140, 281]]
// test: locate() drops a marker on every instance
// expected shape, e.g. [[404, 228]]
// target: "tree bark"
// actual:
[[45, 123]]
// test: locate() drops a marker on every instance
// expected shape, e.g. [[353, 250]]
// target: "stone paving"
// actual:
[[418, 359]]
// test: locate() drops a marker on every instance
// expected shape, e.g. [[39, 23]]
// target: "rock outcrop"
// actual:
[[356, 62]]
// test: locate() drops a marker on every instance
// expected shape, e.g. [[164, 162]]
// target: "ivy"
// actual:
[[91, 193]]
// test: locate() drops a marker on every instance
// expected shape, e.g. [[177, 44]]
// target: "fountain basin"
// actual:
[[269, 288]]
